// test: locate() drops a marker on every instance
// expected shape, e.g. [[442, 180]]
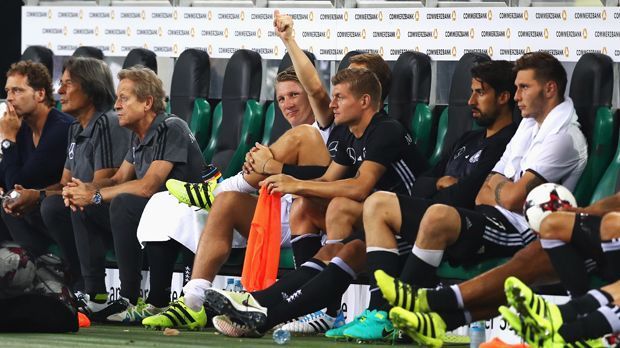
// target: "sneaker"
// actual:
[[376, 327], [193, 194], [134, 314], [428, 329], [241, 307], [313, 323], [111, 308], [400, 294], [178, 316], [88, 306], [338, 332], [224, 325], [535, 310]]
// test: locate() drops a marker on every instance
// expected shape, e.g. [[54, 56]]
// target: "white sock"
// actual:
[[194, 293], [234, 183], [432, 257]]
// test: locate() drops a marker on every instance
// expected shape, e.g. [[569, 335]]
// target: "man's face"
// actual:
[[347, 107], [72, 97], [294, 103], [130, 110], [483, 102], [23, 97], [530, 94]]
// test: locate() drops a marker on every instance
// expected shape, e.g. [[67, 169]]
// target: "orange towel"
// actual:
[[262, 256]]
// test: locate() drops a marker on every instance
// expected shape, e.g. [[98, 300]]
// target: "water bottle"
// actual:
[[477, 334], [281, 336], [230, 284]]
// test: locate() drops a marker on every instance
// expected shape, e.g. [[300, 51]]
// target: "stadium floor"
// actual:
[[122, 336]]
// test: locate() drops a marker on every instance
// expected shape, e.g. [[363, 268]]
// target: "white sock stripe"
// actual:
[[611, 245], [468, 318], [551, 243], [307, 235], [374, 249], [344, 266], [313, 265], [599, 297], [459, 297], [432, 257], [610, 314], [333, 241]]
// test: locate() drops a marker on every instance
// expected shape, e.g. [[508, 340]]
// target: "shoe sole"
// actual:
[[221, 304]]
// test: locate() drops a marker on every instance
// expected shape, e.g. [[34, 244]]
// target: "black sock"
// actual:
[[442, 300], [454, 319], [162, 257], [569, 265], [305, 247], [584, 305], [611, 250], [289, 283], [594, 325], [419, 273], [312, 296], [387, 261], [332, 308]]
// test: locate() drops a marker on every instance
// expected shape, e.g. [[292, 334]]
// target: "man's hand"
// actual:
[[280, 183], [283, 25], [259, 159], [78, 194], [21, 205], [446, 181], [10, 123]]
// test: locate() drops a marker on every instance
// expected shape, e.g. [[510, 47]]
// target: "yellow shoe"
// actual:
[[400, 294], [178, 316], [193, 194], [428, 329]]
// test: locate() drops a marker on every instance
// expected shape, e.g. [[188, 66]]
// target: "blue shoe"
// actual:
[[376, 327], [338, 332]]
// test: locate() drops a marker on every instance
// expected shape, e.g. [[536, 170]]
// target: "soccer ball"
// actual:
[[545, 199], [17, 270]]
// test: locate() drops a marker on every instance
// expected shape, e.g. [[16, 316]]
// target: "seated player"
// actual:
[[547, 147]]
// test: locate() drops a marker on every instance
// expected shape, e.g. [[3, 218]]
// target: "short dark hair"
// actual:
[[499, 74], [377, 65], [361, 81], [146, 83], [287, 74], [38, 77], [94, 78], [546, 68]]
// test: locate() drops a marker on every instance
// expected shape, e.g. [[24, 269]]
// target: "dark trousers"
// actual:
[[39, 228], [125, 212]]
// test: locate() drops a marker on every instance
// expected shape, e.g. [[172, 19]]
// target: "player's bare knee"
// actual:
[[439, 226], [558, 225], [376, 205], [340, 209], [610, 226]]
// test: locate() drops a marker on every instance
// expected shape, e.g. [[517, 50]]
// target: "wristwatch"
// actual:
[[97, 199], [6, 143]]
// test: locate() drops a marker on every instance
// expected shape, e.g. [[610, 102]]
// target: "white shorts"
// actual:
[[164, 218]]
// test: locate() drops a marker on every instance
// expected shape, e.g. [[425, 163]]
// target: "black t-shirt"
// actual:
[[385, 141], [470, 160]]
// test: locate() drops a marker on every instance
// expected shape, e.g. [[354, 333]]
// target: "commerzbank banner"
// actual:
[[443, 34]]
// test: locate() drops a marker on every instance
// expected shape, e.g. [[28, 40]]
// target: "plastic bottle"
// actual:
[[477, 334], [281, 336]]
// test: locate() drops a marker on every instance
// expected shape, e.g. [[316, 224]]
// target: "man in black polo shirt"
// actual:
[[35, 138], [162, 147]]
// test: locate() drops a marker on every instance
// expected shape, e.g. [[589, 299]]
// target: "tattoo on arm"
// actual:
[[486, 181], [498, 191]]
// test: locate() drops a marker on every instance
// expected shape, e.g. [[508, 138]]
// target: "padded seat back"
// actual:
[[409, 97], [609, 183], [242, 83], [141, 56], [591, 90], [279, 124], [88, 52], [190, 80], [458, 113], [40, 54]]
